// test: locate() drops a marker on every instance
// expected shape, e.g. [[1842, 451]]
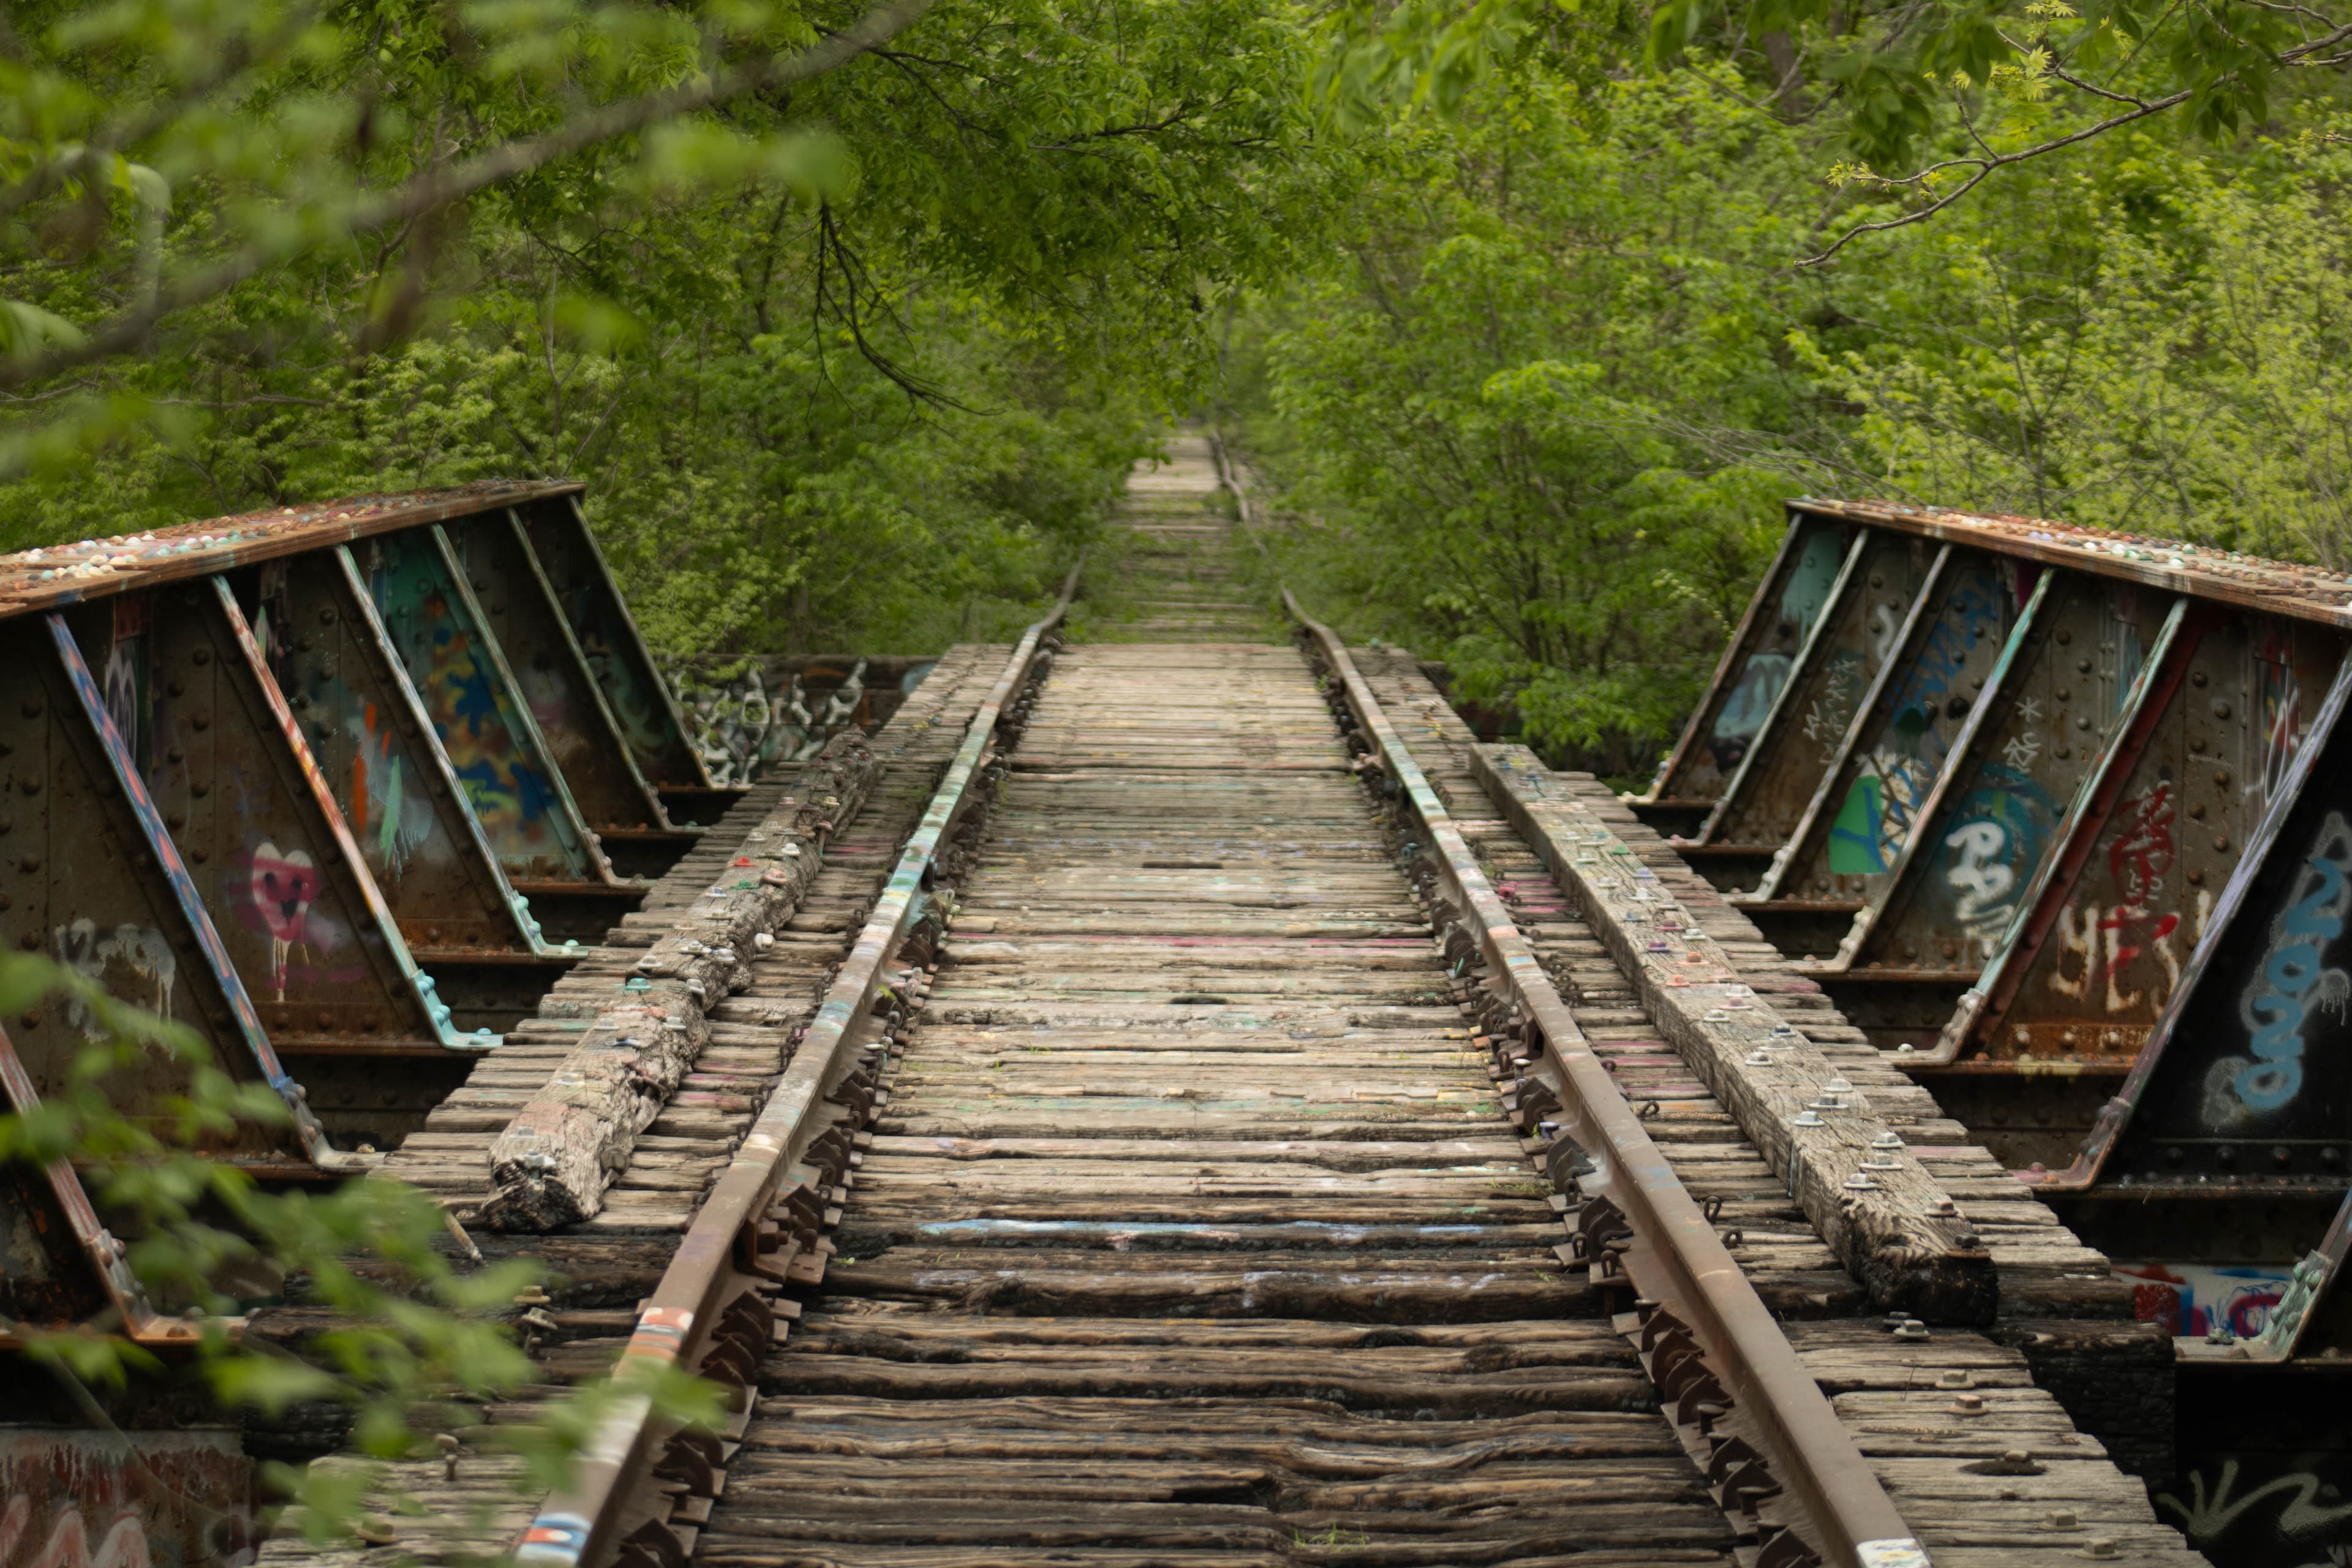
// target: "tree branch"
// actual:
[[1984, 168], [440, 187]]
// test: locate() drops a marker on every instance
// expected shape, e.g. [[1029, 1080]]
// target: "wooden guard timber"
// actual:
[[1171, 1096]]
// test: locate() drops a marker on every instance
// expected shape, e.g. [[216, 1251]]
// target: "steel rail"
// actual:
[[1677, 1260], [577, 1525]]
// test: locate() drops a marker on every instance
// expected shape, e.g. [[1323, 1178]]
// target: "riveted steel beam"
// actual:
[[226, 762], [92, 877], [640, 700], [2075, 667], [2090, 962], [58, 1263], [1803, 740], [485, 724], [1902, 736], [1779, 620], [2243, 1082], [57, 576], [570, 708], [377, 747]]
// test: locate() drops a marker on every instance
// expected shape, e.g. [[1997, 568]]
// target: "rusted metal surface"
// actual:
[[641, 702], [2089, 964], [2076, 667], [714, 1279], [59, 1266], [2109, 946], [1804, 737], [292, 774], [2283, 588], [1753, 668], [1693, 1291], [61, 574], [2246, 1076], [521, 611], [399, 795], [2016, 855], [95, 881], [1864, 812], [226, 762], [479, 712]]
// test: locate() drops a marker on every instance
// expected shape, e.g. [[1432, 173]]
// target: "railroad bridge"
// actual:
[[1168, 1091]]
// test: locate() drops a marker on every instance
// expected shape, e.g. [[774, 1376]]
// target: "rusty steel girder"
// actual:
[[93, 878], [2013, 870], [382, 758], [1799, 738], [642, 702], [294, 780], [1754, 668]]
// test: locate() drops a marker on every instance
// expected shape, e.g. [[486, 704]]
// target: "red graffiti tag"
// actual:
[[2142, 852], [2123, 918]]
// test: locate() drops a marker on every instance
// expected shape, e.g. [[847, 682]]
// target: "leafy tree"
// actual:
[[416, 1342], [851, 317], [1926, 99], [1503, 402], [1536, 410]]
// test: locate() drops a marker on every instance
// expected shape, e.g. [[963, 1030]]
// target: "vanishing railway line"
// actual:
[[1172, 1095]]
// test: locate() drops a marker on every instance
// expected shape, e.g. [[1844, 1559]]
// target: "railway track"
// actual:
[[1207, 1200], [1176, 1097]]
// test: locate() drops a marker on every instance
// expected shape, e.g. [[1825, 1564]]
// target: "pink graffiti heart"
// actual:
[[285, 884]]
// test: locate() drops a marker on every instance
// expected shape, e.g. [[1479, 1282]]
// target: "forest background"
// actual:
[[1528, 313]]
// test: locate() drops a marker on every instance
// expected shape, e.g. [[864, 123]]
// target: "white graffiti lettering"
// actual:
[[2205, 1517], [1980, 877], [2107, 943], [145, 952]]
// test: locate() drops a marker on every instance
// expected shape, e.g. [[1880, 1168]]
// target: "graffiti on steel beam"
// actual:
[[1831, 712], [1766, 669], [2295, 1520], [741, 726], [145, 1500], [1881, 803], [516, 802], [1987, 859], [2294, 980], [143, 950], [386, 817]]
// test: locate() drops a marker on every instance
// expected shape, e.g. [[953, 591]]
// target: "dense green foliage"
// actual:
[[1563, 358], [852, 318], [837, 358], [418, 1341]]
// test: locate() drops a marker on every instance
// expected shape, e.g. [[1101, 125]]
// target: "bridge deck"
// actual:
[[1190, 1227]]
